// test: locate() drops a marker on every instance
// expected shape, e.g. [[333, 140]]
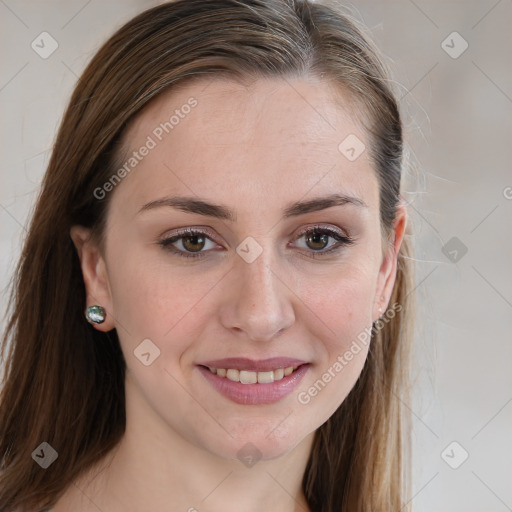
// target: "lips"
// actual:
[[250, 382]]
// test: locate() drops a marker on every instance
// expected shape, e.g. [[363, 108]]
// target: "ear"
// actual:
[[387, 272], [94, 273]]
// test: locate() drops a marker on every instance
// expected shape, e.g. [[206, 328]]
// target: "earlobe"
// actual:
[[95, 278]]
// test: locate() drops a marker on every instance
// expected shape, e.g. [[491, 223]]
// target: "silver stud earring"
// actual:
[[95, 314]]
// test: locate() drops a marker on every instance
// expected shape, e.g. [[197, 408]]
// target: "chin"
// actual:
[[253, 442]]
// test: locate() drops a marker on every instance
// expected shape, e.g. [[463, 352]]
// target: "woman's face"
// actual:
[[255, 284]]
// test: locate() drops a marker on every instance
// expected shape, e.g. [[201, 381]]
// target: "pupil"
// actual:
[[315, 237], [194, 239]]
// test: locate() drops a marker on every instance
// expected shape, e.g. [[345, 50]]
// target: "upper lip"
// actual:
[[243, 363]]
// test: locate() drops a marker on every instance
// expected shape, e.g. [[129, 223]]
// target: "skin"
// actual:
[[254, 149]]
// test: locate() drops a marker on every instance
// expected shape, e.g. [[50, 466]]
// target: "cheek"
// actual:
[[158, 300], [342, 303], [342, 308]]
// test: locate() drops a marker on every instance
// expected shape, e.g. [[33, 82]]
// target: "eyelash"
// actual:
[[342, 240]]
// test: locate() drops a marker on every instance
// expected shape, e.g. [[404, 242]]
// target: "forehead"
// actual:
[[274, 140]]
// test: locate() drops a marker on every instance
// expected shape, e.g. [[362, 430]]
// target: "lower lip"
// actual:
[[255, 394]]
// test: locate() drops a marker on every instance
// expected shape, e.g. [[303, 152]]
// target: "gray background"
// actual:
[[458, 121]]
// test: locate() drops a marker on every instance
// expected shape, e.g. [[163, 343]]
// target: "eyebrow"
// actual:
[[202, 207]]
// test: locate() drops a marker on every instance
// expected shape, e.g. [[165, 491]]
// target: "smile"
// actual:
[[254, 382], [250, 377]]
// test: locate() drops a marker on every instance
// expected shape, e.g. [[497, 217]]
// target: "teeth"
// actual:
[[265, 377], [279, 374], [233, 375], [248, 377]]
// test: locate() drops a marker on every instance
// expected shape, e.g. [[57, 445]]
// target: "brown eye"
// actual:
[[193, 243], [317, 241], [189, 244]]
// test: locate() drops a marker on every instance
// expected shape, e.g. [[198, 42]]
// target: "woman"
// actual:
[[212, 309]]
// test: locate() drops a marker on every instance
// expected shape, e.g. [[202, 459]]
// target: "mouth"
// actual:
[[253, 377], [250, 382]]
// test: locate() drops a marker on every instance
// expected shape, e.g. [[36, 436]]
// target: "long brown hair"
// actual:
[[64, 380]]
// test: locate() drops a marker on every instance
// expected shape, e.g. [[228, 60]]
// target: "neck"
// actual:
[[154, 468]]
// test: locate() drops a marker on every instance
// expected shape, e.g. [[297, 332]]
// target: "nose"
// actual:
[[259, 302]]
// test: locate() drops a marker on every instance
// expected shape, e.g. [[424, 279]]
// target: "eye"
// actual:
[[317, 239], [192, 243]]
